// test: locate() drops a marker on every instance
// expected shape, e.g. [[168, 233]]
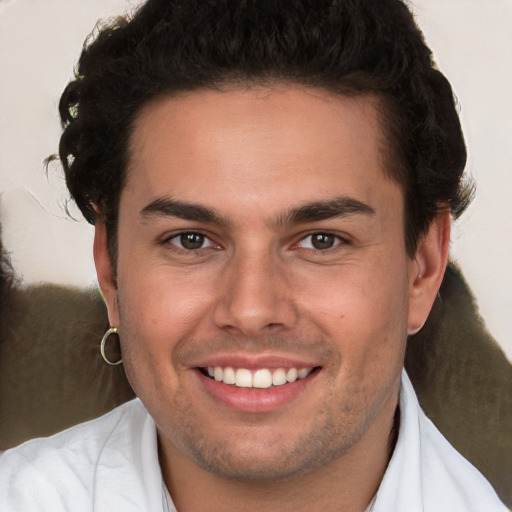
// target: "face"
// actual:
[[263, 291]]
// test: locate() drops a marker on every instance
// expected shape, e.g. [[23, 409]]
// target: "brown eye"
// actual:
[[189, 241], [192, 241], [322, 241]]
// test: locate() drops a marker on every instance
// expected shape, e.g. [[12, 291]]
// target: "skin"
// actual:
[[258, 287]]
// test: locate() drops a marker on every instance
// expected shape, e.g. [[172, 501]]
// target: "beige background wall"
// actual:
[[39, 44]]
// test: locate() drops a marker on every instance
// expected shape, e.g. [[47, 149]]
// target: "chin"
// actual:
[[275, 456]]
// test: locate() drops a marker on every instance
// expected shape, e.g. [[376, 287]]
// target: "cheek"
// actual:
[[369, 294], [363, 310], [161, 302], [157, 315]]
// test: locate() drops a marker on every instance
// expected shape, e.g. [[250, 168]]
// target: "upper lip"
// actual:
[[252, 362]]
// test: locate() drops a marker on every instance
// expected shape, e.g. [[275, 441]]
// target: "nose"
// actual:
[[255, 297]]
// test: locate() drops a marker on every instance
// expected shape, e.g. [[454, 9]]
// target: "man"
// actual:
[[271, 185]]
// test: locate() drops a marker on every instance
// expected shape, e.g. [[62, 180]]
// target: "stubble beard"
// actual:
[[276, 459], [244, 454]]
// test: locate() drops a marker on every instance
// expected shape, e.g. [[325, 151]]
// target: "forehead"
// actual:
[[259, 145]]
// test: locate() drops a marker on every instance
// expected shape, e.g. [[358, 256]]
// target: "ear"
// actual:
[[427, 270], [105, 272]]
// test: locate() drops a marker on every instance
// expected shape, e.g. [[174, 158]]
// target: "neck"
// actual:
[[348, 484]]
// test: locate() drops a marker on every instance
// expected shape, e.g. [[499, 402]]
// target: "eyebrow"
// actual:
[[321, 210], [168, 207], [310, 212]]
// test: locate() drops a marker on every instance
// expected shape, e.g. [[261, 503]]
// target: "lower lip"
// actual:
[[255, 399]]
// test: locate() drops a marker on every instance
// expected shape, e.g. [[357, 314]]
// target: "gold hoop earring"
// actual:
[[111, 330]]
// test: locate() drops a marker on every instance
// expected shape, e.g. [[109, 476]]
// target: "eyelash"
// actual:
[[178, 236], [338, 240]]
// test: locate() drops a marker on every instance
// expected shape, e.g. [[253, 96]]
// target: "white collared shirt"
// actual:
[[111, 464]]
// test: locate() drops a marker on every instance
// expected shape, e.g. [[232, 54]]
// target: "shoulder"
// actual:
[[447, 474], [446, 480], [61, 470]]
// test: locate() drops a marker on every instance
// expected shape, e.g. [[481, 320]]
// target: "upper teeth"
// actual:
[[261, 378]]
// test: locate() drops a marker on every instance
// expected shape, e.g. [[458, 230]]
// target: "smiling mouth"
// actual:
[[262, 378]]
